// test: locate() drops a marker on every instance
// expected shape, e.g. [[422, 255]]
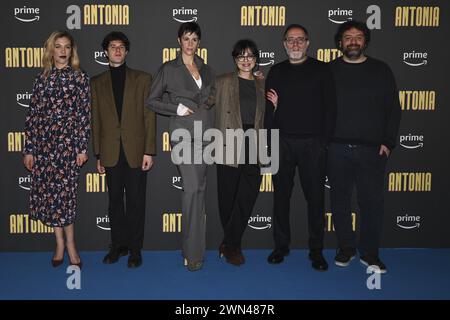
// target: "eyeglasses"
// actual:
[[292, 41], [243, 58]]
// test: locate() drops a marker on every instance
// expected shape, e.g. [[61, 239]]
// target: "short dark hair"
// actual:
[[116, 35], [295, 26], [189, 27], [242, 45], [350, 24]]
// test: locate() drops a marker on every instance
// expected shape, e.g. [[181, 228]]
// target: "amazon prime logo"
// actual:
[[415, 59], [101, 58], [260, 222], [184, 15], [408, 222], [340, 16], [176, 183], [411, 141], [266, 58], [103, 223], [25, 182], [23, 99], [26, 14]]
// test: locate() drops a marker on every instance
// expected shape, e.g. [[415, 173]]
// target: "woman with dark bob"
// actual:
[[188, 84], [240, 104], [57, 130]]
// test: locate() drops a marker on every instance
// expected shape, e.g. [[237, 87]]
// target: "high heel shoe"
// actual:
[[79, 264], [57, 262]]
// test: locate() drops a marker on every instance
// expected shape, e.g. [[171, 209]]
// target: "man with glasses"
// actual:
[[366, 131], [301, 104], [124, 142]]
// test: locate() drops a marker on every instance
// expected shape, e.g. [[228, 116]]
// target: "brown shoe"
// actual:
[[233, 256]]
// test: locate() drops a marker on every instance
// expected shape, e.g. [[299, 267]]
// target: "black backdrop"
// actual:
[[409, 35]]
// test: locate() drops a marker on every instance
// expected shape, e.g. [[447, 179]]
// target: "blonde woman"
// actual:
[[57, 129]]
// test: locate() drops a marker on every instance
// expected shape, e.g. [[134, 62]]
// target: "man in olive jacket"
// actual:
[[124, 142]]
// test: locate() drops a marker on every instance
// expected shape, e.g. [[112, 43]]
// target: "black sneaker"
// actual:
[[375, 264], [344, 256]]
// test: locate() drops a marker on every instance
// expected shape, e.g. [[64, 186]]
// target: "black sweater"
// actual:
[[306, 99], [118, 76], [368, 108]]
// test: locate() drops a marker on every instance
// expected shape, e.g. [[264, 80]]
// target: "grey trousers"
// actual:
[[193, 221]]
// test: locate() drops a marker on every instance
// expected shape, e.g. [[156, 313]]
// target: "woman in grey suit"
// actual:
[[240, 104], [187, 85]]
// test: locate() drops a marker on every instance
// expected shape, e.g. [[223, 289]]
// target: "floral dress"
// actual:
[[57, 128]]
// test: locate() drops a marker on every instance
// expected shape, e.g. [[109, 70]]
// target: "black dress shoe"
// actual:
[[114, 255], [318, 261], [135, 259], [277, 256]]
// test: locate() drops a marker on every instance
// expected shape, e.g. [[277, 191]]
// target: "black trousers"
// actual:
[[363, 167], [309, 156], [238, 189], [126, 190]]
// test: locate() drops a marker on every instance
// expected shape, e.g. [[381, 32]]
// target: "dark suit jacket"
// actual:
[[174, 84], [137, 126]]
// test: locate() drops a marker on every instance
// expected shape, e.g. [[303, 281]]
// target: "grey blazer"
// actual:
[[174, 84]]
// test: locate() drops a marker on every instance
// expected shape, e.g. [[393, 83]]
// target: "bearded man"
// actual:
[[302, 106], [368, 117]]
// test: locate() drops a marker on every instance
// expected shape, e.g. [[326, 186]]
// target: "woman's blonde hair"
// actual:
[[49, 46]]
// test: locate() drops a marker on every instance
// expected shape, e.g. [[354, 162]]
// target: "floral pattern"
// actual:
[[57, 128]]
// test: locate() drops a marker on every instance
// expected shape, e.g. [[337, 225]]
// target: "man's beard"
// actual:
[[296, 55], [353, 52]]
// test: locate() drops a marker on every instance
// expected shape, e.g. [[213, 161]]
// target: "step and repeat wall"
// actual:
[[409, 35]]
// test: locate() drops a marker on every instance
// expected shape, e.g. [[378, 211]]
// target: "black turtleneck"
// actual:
[[118, 75]]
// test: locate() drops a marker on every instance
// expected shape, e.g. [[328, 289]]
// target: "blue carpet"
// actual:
[[412, 274]]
